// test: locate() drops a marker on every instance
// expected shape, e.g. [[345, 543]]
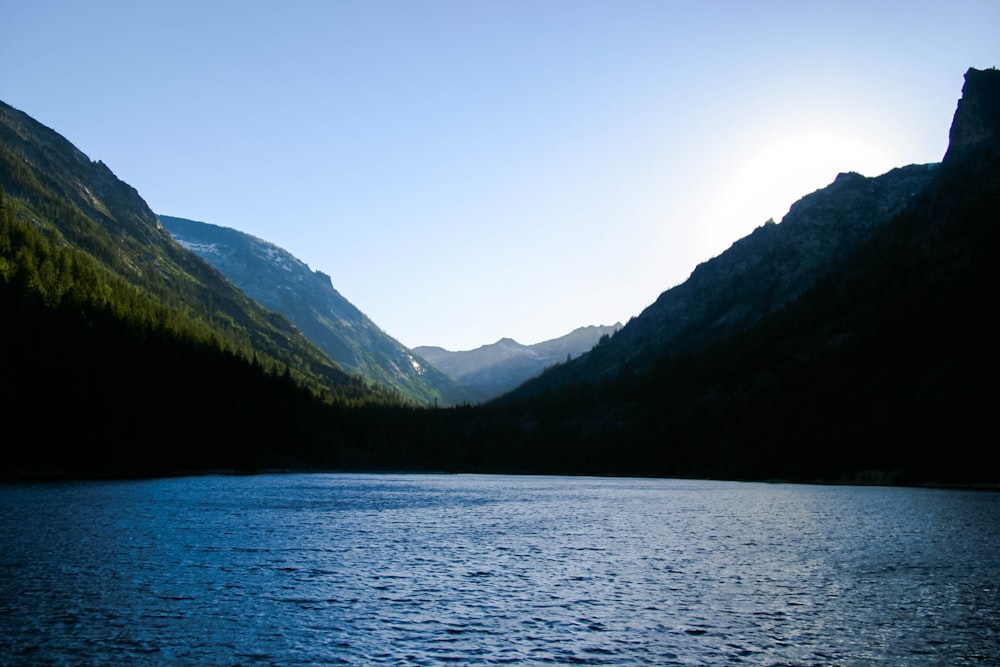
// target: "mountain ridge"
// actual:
[[796, 355], [83, 204], [880, 372], [281, 282], [496, 368], [757, 274], [143, 359]]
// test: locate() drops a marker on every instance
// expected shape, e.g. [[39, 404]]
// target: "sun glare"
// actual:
[[763, 181]]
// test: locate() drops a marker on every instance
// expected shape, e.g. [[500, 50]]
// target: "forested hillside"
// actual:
[[142, 355], [124, 355], [880, 371], [277, 280]]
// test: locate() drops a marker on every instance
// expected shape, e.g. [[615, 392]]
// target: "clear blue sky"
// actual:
[[472, 169]]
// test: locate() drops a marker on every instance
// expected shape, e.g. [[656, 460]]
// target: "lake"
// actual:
[[473, 570]]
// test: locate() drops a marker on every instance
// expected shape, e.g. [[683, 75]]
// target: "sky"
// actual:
[[467, 170]]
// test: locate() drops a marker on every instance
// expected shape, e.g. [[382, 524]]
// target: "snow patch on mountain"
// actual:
[[416, 365], [200, 249]]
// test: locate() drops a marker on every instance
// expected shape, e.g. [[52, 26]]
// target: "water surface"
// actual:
[[401, 569]]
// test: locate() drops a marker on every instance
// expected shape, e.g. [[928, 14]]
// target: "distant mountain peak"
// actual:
[[499, 367], [758, 274]]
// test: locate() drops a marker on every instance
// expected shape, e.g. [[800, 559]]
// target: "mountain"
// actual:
[[783, 359], [497, 368], [853, 342], [280, 282], [82, 204], [759, 273], [126, 350]]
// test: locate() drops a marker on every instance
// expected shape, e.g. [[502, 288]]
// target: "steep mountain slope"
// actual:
[[123, 353], [499, 367], [81, 203], [882, 371], [757, 275], [282, 283]]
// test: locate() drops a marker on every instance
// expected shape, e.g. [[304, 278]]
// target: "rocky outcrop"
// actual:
[[977, 118]]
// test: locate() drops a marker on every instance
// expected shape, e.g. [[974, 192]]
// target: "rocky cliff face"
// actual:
[[277, 280], [977, 118], [776, 263], [499, 367]]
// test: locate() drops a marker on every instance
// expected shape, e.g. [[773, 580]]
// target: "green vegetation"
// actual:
[[142, 357], [130, 385], [278, 281], [883, 372], [123, 354], [80, 204]]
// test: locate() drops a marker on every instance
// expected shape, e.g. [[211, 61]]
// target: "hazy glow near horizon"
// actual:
[[467, 171], [778, 172]]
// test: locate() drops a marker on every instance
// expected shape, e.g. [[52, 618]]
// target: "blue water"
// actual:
[[427, 570]]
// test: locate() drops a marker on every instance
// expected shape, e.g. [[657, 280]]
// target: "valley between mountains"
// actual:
[[428, 375], [853, 341]]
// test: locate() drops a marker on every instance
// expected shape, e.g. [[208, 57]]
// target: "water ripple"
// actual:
[[430, 570]]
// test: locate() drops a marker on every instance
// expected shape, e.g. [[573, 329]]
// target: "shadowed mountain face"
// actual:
[[500, 367], [976, 126], [855, 341], [758, 274], [777, 263], [280, 282]]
